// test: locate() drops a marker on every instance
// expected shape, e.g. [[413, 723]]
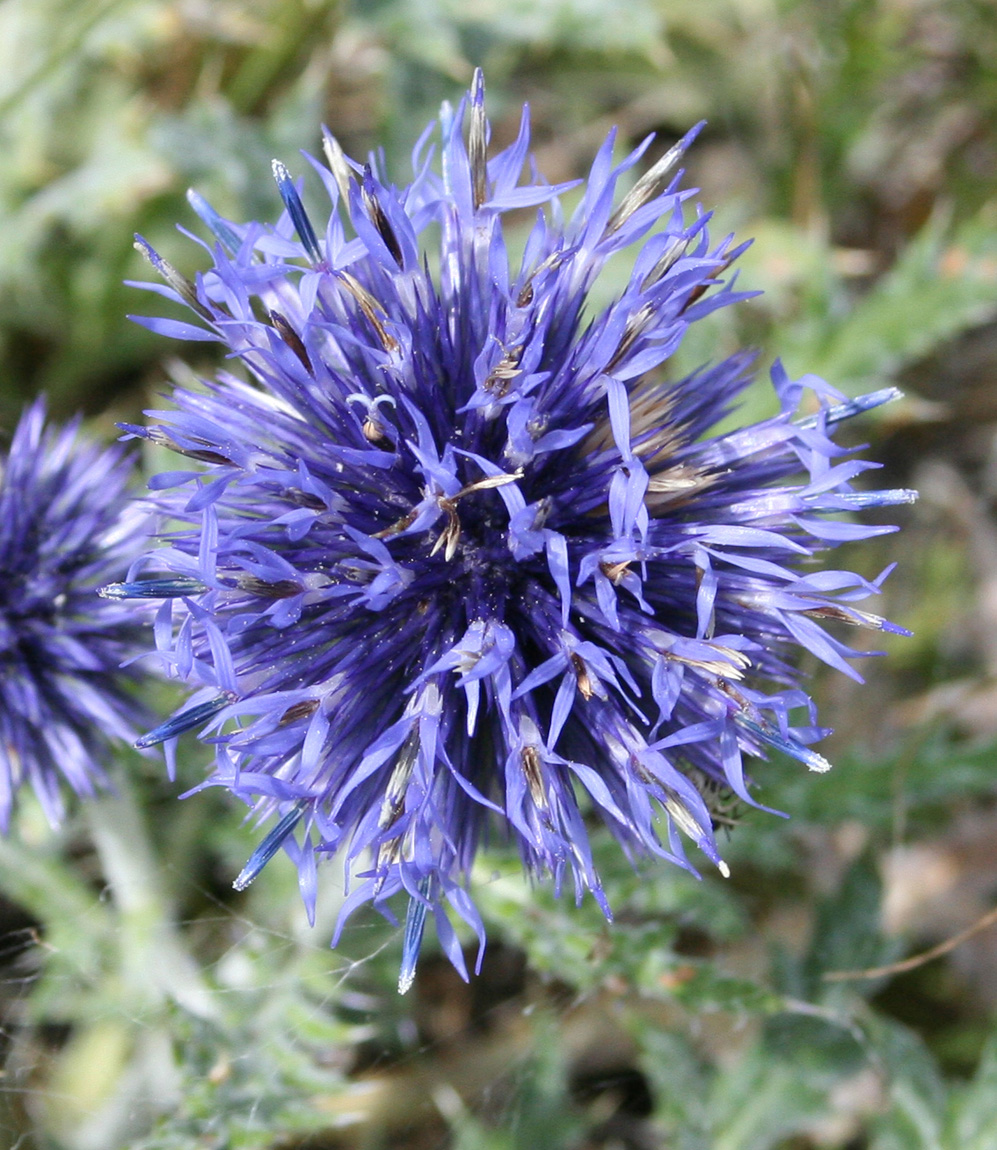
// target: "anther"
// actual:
[[180, 283], [292, 339], [477, 140]]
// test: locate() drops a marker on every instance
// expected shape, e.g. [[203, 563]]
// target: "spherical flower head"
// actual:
[[461, 555], [67, 526]]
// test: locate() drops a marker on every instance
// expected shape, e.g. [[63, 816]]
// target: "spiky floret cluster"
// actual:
[[67, 526], [460, 551]]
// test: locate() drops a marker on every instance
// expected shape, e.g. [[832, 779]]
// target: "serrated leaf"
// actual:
[[943, 283]]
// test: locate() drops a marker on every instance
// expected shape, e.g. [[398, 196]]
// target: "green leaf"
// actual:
[[972, 1117], [944, 282]]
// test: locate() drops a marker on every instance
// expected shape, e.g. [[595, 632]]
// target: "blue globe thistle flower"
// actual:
[[462, 555], [68, 524]]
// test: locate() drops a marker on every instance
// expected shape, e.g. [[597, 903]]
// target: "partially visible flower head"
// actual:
[[461, 554], [67, 526]]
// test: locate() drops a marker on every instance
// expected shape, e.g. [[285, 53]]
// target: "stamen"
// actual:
[[277, 589], [554, 260], [398, 526], [394, 793], [582, 676], [335, 157], [292, 339], [159, 435], [502, 374], [370, 307], [477, 140], [534, 776], [449, 537], [180, 283], [303, 710], [856, 618], [636, 325], [372, 206], [615, 572], [668, 259], [652, 183]]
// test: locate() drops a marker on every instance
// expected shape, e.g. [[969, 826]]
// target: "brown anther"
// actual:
[[264, 589], [673, 486], [584, 682], [651, 184], [184, 288], [449, 537], [477, 141], [370, 307], [372, 205], [302, 710], [729, 663], [533, 771], [292, 339], [394, 794], [831, 612], [486, 484], [397, 527], [615, 572], [677, 480], [502, 374], [373, 431], [733, 693], [701, 289], [304, 499], [669, 258], [636, 325], [207, 455], [525, 297]]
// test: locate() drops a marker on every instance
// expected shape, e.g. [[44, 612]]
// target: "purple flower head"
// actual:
[[461, 555], [67, 526]]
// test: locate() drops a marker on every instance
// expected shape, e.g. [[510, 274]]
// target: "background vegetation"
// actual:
[[145, 1004]]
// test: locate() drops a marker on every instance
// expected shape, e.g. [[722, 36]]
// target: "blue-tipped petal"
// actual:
[[269, 847], [415, 925], [183, 721], [859, 500], [296, 210], [791, 747], [172, 588], [858, 406], [217, 226]]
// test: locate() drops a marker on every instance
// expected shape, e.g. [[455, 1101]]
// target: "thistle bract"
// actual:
[[460, 554], [67, 526]]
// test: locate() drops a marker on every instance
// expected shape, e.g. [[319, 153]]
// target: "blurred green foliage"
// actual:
[[146, 1005]]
